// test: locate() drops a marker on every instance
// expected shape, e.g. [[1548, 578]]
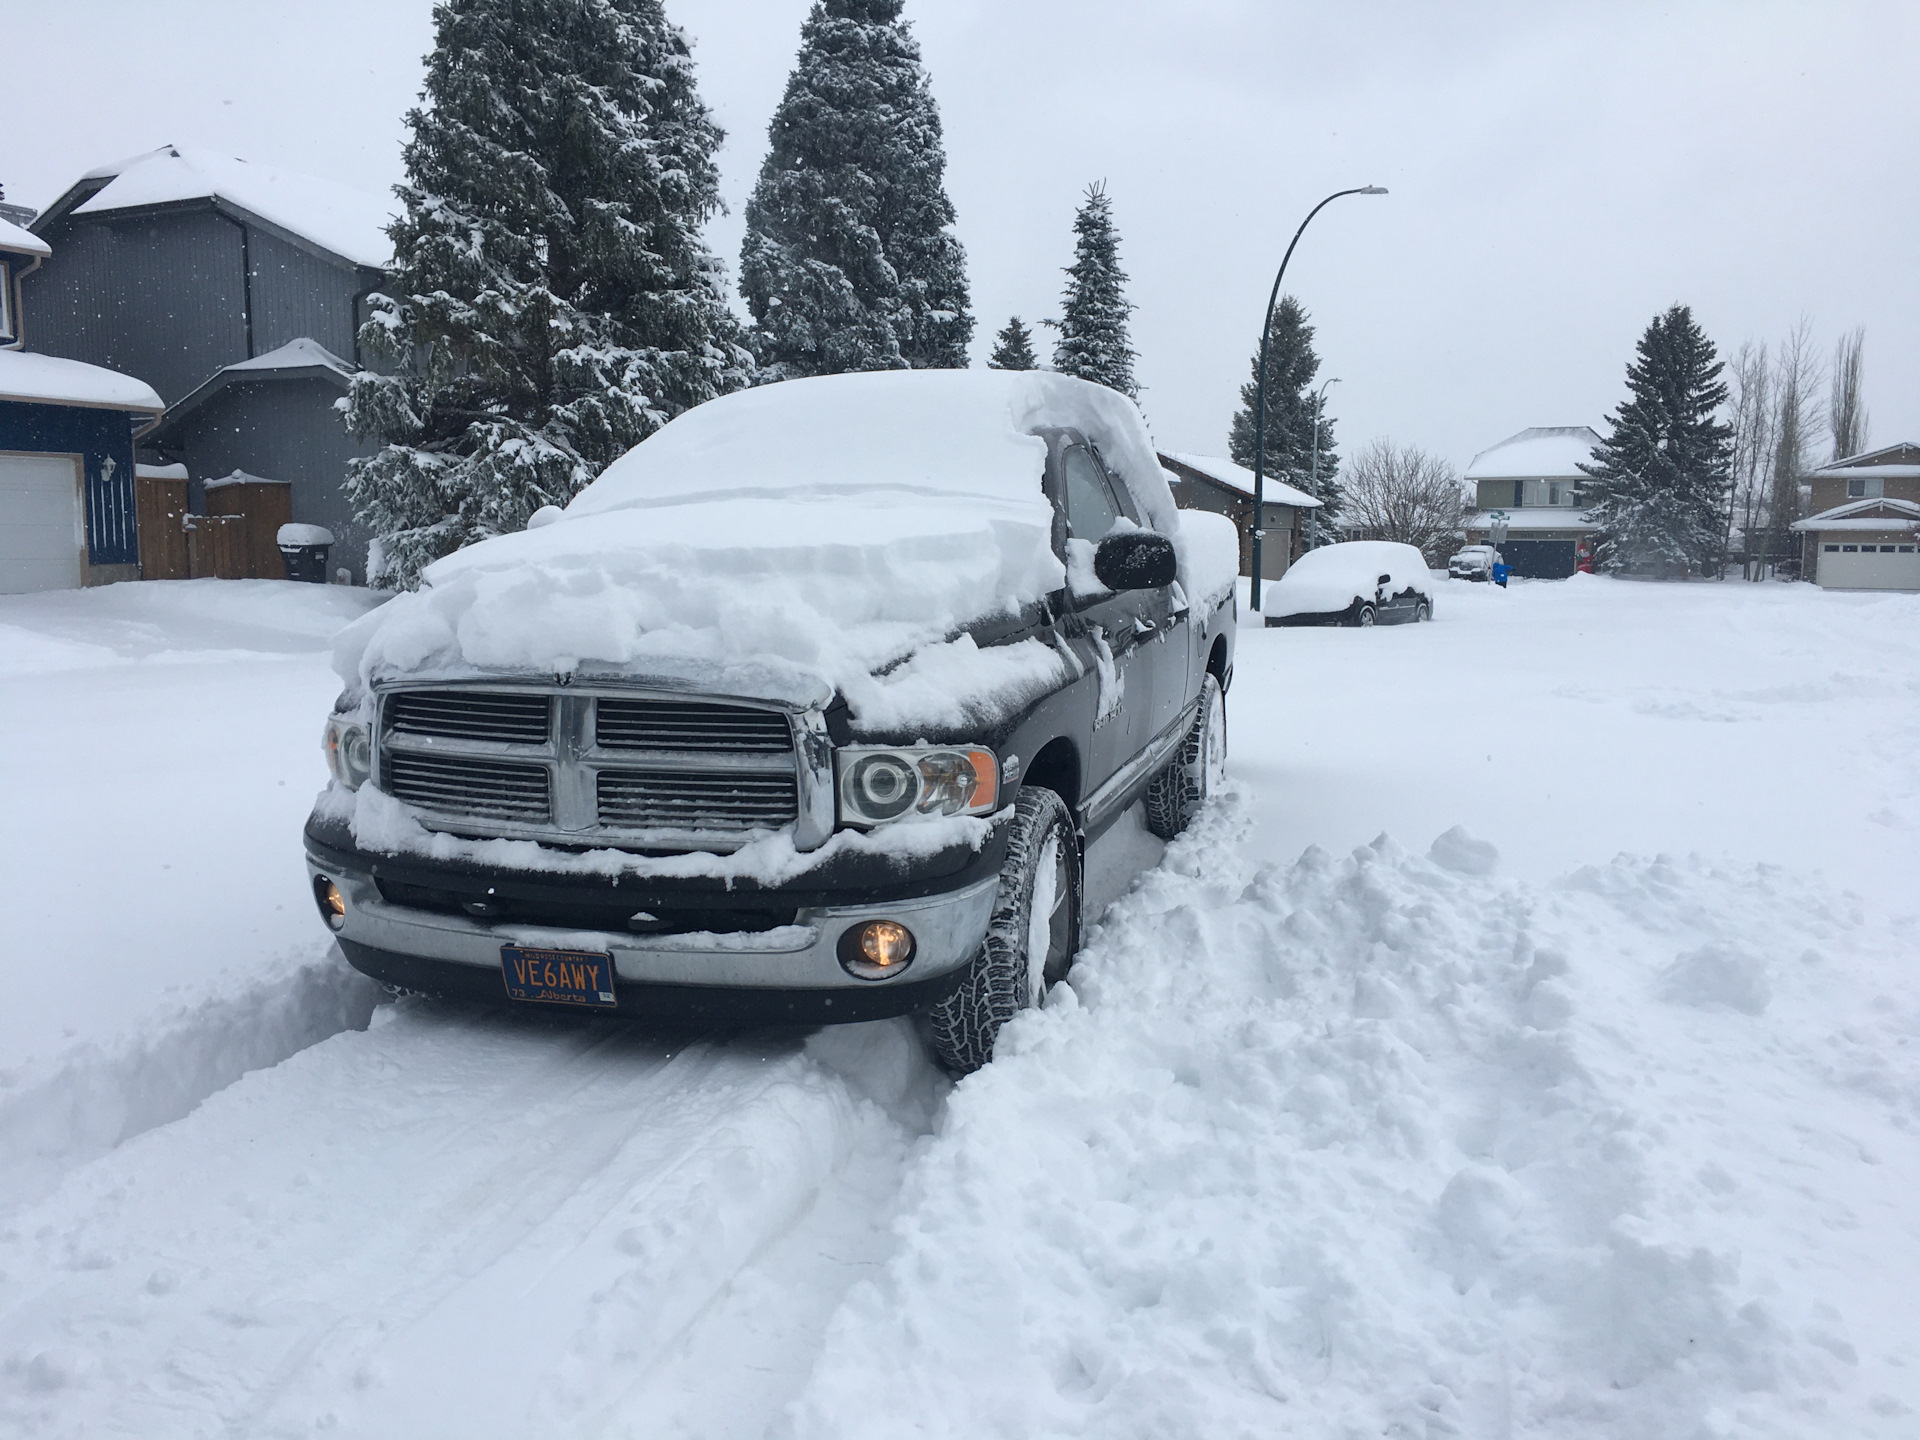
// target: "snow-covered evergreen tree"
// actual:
[[1659, 487], [1094, 342], [554, 303], [849, 262], [1013, 348], [1291, 368]]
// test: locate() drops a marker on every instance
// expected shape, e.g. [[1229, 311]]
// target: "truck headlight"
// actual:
[[349, 752], [878, 785]]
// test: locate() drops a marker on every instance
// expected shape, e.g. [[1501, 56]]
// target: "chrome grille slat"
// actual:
[[621, 724], [695, 800], [472, 715], [469, 785]]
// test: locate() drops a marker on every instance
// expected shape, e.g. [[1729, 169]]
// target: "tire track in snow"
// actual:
[[454, 1223]]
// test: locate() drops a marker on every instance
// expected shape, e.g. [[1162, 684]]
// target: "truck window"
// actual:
[[1091, 509]]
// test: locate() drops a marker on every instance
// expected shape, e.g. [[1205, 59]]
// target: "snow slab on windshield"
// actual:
[[787, 542]]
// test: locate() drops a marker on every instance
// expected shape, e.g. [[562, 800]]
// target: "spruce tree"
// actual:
[[849, 262], [1094, 342], [1013, 348], [1659, 487], [553, 302], [1291, 368]]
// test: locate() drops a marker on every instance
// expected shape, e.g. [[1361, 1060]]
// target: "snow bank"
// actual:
[[1334, 576], [1362, 1146], [789, 542]]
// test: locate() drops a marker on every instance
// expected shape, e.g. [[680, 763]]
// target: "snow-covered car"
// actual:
[[802, 712], [1356, 582], [1474, 562]]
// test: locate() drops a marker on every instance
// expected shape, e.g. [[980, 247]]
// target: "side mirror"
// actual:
[[1386, 579], [1135, 560]]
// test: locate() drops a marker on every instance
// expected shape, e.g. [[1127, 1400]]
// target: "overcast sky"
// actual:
[[1559, 172]]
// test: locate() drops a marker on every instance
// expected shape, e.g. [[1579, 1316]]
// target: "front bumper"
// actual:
[[787, 975]]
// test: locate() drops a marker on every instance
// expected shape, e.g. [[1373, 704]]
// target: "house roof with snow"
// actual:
[[48, 380], [1545, 452], [316, 214], [296, 360], [18, 241], [1890, 462], [1239, 478], [1875, 514]]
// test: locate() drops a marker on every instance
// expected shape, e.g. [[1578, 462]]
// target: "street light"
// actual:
[[1260, 387], [1319, 400]]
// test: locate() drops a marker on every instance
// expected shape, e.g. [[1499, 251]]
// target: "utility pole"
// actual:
[[1260, 387]]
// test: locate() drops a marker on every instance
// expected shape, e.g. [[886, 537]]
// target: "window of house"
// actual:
[[1849, 549], [6, 303], [1886, 549], [1519, 493], [1906, 549], [1833, 549], [1866, 488]]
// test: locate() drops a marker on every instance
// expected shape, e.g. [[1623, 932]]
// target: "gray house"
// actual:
[[236, 291]]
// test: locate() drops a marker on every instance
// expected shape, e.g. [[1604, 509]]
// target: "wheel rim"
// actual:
[[1366, 617]]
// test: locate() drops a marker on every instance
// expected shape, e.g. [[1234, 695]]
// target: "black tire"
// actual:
[[1422, 611], [1365, 618], [1175, 795], [1002, 979]]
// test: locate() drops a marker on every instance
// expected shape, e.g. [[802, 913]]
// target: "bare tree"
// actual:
[[1797, 382], [1750, 381], [1846, 414], [1400, 492]]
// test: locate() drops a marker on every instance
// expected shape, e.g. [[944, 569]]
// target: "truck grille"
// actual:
[[696, 800], [584, 767], [471, 715], [674, 725], [469, 785]]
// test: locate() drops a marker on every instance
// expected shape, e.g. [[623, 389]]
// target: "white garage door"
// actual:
[[1880, 565], [42, 532]]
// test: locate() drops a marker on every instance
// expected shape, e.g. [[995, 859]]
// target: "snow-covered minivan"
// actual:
[[802, 712]]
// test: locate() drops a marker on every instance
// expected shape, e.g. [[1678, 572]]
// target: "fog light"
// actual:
[[877, 949], [333, 905]]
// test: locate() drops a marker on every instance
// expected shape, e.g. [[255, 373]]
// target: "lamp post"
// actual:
[[1319, 399], [1260, 387]]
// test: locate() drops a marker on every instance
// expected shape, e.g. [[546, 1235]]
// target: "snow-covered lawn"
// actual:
[[1594, 1116]]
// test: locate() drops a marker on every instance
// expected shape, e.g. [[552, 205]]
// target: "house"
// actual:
[[66, 450], [1866, 532], [1526, 499], [237, 292], [1206, 482]]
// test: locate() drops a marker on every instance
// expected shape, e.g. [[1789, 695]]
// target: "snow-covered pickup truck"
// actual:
[[802, 712]]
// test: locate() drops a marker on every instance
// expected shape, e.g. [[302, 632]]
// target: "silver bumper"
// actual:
[[947, 930]]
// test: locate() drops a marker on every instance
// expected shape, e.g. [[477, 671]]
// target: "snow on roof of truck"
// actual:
[[1545, 451], [337, 218], [790, 541]]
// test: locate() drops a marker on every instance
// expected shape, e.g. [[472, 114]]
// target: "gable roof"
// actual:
[[1890, 462], [1238, 478], [1545, 452], [17, 241], [49, 380], [1875, 514], [299, 359], [335, 219]]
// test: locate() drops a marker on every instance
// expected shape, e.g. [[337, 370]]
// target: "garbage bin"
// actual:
[[303, 549]]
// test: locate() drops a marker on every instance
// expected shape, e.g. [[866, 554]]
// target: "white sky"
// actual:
[[1559, 172]]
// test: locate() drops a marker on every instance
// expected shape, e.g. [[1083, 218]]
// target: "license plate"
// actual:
[[558, 977]]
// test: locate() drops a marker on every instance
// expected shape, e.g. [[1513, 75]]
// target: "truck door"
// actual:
[[1170, 644], [1112, 633]]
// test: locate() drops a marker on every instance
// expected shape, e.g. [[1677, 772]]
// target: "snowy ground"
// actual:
[[1594, 1117]]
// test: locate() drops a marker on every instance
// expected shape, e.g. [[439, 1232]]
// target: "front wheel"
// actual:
[[1031, 938], [1192, 777], [1365, 618]]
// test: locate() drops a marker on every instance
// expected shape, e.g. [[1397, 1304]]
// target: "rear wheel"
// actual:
[[1422, 611], [1031, 938], [1175, 795]]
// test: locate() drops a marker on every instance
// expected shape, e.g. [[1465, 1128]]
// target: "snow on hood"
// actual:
[[1334, 576], [788, 542]]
